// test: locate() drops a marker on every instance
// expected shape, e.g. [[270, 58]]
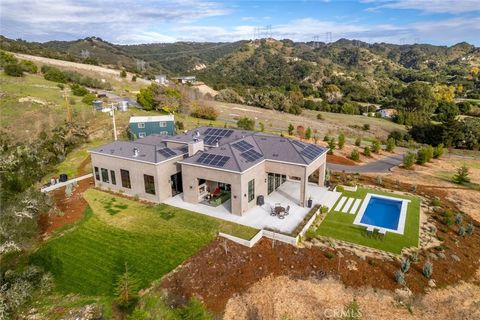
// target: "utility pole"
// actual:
[[112, 113], [67, 105]]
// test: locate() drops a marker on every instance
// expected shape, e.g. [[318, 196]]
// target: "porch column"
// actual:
[[303, 189], [321, 175]]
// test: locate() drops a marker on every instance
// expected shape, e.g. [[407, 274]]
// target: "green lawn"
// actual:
[[152, 239], [339, 225]]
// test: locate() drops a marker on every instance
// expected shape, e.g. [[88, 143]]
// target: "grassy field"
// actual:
[[151, 239], [340, 225]]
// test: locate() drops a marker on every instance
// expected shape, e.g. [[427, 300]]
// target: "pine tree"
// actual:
[[462, 175], [290, 129], [331, 145], [126, 289], [341, 140]]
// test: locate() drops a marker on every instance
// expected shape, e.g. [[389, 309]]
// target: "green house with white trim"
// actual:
[[141, 127]]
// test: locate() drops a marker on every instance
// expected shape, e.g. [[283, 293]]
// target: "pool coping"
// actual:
[[401, 221]]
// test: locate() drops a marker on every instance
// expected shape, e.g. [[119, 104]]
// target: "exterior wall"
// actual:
[[258, 173], [292, 171], [160, 172], [152, 128]]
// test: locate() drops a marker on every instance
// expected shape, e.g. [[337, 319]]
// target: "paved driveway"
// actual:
[[383, 165]]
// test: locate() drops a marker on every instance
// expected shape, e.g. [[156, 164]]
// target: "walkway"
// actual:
[[259, 216], [63, 184], [383, 165]]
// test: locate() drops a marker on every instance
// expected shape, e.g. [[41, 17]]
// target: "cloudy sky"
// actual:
[[147, 21]]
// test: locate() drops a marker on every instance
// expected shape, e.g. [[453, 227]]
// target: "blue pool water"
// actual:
[[383, 213]]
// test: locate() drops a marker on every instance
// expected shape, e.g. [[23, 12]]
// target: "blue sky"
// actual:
[[443, 22]]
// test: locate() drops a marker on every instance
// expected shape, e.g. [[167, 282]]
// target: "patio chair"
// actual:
[[287, 210], [382, 232], [272, 211], [370, 231]]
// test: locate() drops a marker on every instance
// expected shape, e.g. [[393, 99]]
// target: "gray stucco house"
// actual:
[[208, 164]]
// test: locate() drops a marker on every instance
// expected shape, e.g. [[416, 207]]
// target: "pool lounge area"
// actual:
[[383, 213]]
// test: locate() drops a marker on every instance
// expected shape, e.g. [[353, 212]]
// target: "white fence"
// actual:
[[248, 243]]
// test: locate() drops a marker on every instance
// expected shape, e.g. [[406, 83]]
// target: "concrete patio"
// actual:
[[259, 216]]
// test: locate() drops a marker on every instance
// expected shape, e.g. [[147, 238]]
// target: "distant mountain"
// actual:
[[362, 70]]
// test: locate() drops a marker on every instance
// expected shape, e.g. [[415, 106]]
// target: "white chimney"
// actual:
[[195, 146]]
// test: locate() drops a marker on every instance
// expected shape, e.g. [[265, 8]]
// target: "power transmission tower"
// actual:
[[328, 37], [316, 42], [85, 54]]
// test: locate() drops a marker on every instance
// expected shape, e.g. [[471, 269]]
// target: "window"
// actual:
[[141, 135], [125, 175], [97, 174], [165, 133], [251, 190], [141, 125], [104, 175], [112, 175], [149, 184], [163, 124]]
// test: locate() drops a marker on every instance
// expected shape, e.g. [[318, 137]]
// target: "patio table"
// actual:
[[279, 210]]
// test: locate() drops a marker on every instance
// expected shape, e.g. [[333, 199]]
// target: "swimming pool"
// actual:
[[384, 212]]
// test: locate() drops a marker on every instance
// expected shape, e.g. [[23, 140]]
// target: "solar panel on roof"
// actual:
[[166, 152], [251, 155], [298, 143], [242, 145], [208, 131], [214, 160], [311, 152]]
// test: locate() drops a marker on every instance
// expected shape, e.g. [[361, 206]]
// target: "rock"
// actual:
[[455, 258], [431, 283], [432, 256], [259, 255], [442, 255]]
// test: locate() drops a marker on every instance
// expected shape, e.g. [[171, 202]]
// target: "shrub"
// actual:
[[246, 123], [435, 202], [461, 231], [78, 90], [422, 156], [331, 145], [319, 116], [13, 70], [352, 311], [134, 78], [462, 175], [390, 145], [204, 111], [329, 255], [376, 146], [414, 188], [326, 138], [29, 66], [470, 228], [447, 218], [123, 74], [405, 265], [409, 160], [262, 126], [399, 277], [379, 180], [89, 98], [308, 133], [179, 125], [366, 151], [429, 153], [458, 218], [290, 129], [341, 140], [358, 141], [366, 127], [413, 257], [438, 151], [228, 95], [396, 135], [355, 155], [427, 269], [340, 189], [56, 75]]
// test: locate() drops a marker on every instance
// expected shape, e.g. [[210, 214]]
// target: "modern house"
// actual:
[[161, 79], [141, 127], [186, 79], [209, 165]]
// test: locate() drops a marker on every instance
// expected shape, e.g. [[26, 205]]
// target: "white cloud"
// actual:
[[429, 6]]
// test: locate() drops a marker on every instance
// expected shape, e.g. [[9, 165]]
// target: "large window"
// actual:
[[163, 124], [251, 190], [142, 134], [125, 175], [141, 125], [97, 174], [112, 175], [104, 175], [149, 184]]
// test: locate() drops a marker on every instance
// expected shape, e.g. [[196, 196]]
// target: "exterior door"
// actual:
[[271, 183], [176, 183]]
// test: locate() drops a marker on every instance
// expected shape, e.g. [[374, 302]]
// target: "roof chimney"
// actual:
[[135, 152], [195, 146]]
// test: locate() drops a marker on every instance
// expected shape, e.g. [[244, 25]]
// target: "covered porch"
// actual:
[[259, 216]]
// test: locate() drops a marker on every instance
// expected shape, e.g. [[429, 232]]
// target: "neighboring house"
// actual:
[[141, 127], [387, 113], [161, 79], [186, 79], [245, 166]]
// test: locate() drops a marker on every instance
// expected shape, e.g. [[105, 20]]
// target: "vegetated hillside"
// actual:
[[364, 71], [180, 58]]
